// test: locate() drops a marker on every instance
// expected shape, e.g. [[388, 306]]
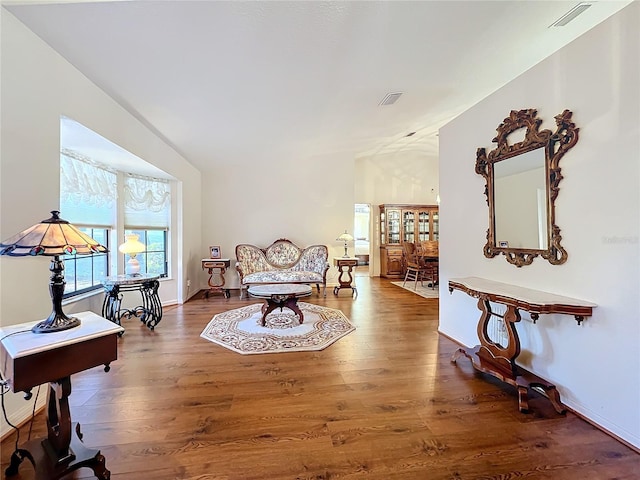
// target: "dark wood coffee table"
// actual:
[[280, 295]]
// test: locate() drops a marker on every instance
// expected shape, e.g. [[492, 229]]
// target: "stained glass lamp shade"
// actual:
[[51, 238]]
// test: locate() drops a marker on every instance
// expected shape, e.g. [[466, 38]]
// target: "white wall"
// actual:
[[595, 366], [405, 177], [38, 86], [305, 198], [308, 199]]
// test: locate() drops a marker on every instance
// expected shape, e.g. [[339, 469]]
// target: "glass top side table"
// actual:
[[149, 311]]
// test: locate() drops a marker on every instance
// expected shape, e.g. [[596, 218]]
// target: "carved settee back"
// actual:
[[282, 254], [254, 263]]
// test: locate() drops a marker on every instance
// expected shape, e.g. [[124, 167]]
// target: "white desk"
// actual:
[[30, 359]]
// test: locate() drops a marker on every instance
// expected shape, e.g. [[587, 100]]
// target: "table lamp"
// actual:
[[345, 237], [51, 238], [132, 246]]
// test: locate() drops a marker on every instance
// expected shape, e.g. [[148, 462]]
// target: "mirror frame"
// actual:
[[555, 145]]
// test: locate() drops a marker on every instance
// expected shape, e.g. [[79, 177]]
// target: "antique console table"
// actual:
[[349, 263], [149, 313], [30, 359], [221, 265], [500, 361]]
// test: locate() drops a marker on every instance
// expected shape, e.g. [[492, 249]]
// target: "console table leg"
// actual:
[[523, 398], [62, 451], [552, 394], [459, 353]]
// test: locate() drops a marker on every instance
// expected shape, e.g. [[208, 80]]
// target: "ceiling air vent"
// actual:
[[571, 14], [390, 98]]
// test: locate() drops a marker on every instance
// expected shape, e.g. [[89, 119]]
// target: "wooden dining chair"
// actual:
[[416, 269], [429, 253]]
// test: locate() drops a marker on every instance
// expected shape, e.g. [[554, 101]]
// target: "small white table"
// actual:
[[30, 359], [280, 295]]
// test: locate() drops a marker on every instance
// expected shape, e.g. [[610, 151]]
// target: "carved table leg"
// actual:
[[62, 451], [500, 361], [292, 304], [111, 304], [281, 301]]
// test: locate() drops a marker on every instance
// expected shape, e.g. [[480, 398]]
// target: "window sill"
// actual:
[[82, 296]]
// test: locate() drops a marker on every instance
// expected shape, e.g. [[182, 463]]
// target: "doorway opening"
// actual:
[[361, 229]]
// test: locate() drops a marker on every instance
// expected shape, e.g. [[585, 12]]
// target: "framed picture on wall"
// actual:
[[214, 251]]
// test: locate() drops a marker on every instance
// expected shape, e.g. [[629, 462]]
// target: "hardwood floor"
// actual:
[[384, 402]]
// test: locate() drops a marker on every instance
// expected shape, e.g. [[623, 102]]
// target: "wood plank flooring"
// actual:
[[384, 402]]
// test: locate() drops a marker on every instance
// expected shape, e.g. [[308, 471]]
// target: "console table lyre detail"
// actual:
[[500, 361], [350, 263], [217, 285]]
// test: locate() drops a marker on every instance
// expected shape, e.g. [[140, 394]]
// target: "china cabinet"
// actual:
[[403, 223]]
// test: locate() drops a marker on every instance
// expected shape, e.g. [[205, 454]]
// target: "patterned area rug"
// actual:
[[240, 329], [426, 292]]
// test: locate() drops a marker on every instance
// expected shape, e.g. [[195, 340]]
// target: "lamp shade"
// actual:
[[345, 237], [52, 237], [132, 245]]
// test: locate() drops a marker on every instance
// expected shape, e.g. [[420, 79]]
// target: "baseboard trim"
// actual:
[[22, 416], [572, 410]]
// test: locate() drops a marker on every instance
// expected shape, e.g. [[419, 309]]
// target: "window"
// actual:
[[106, 203], [154, 258], [84, 273], [88, 200], [147, 212]]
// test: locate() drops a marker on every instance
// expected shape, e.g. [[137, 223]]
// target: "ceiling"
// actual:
[[241, 81]]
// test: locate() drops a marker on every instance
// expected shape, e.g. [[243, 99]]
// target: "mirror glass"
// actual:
[[522, 179], [520, 199]]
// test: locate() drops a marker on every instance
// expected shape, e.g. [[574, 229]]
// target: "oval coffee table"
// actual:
[[280, 295]]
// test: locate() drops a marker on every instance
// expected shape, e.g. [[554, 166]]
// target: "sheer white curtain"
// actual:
[[88, 191], [147, 202]]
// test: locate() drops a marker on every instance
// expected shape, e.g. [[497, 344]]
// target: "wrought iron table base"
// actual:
[[149, 313]]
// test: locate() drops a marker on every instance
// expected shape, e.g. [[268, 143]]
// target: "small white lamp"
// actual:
[[345, 237], [132, 246]]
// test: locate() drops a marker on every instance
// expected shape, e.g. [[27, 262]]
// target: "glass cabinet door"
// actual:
[[423, 226], [393, 226], [409, 226], [436, 226]]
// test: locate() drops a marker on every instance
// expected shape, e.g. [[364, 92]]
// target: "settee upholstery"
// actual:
[[282, 262]]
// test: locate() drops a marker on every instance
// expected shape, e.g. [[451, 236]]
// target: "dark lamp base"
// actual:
[[56, 323]]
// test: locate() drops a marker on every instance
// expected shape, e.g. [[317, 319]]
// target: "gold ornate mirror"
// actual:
[[522, 186]]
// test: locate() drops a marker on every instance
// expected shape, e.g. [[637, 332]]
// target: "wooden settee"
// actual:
[[282, 262]]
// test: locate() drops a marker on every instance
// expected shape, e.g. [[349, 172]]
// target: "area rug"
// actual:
[[423, 291], [240, 329]]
